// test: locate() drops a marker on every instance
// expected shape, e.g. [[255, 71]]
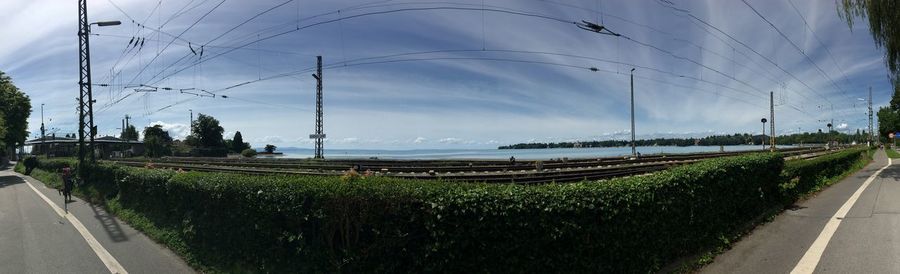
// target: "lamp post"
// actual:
[[85, 99], [633, 149], [43, 132], [763, 137]]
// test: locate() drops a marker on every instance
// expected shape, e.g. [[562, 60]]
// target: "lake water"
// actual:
[[524, 154]]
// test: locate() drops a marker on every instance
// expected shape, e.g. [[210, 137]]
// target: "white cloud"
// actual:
[[420, 140], [176, 131], [842, 126], [269, 140]]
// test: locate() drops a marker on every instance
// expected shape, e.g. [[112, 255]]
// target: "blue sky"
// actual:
[[464, 74]]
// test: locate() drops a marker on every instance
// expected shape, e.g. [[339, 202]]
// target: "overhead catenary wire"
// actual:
[[815, 36], [769, 60], [811, 61], [343, 18]]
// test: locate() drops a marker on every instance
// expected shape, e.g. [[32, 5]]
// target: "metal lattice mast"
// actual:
[[871, 121], [319, 136], [85, 98]]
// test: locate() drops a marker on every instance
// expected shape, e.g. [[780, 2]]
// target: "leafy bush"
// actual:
[[248, 152]]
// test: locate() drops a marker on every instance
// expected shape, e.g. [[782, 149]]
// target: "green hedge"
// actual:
[[804, 176], [238, 223], [243, 223]]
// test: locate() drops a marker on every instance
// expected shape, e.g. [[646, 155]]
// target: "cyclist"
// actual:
[[66, 175]]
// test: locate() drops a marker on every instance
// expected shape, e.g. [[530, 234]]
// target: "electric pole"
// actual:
[[871, 125], [319, 136], [633, 149], [85, 97], [191, 125], [772, 119]]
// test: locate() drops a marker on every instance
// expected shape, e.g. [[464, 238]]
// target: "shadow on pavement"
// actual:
[[10, 180], [110, 225]]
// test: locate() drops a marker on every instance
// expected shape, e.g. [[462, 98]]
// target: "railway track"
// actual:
[[488, 171]]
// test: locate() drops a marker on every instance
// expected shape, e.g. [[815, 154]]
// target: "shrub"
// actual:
[[248, 152]]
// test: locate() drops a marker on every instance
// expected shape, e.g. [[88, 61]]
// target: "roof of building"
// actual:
[[65, 140]]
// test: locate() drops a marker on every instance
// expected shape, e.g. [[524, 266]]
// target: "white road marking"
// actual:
[[111, 263], [810, 260]]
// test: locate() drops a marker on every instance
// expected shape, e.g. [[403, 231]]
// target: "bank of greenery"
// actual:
[[242, 223]]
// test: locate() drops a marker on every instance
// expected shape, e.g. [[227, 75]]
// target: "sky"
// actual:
[[448, 74]]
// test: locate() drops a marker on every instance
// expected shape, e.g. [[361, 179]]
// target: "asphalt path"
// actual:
[[36, 238], [864, 237]]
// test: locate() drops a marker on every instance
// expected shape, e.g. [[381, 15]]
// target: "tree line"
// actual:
[[715, 140]]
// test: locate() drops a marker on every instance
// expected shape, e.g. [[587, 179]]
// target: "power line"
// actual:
[[707, 24], [173, 40], [808, 27], [796, 47]]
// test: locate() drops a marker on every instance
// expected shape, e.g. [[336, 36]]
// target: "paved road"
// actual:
[[866, 239], [34, 238]]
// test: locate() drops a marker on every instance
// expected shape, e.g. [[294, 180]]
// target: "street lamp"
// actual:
[[633, 149], [763, 137], [43, 132]]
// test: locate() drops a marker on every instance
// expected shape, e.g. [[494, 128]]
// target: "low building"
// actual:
[[104, 147]]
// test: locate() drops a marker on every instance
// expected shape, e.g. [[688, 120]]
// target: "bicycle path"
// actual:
[[36, 238], [852, 226]]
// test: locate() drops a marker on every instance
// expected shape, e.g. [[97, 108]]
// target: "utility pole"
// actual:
[[319, 135], [633, 149], [871, 124], [127, 122], [772, 123], [85, 99], [191, 125]]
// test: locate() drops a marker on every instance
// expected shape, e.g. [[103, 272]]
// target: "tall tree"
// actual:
[[157, 142], [130, 133], [237, 143], [884, 24], [15, 107], [207, 132]]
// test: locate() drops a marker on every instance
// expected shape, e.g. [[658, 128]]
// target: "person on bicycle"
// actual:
[[66, 175]]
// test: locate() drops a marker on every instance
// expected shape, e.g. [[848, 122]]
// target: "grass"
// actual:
[[892, 153]]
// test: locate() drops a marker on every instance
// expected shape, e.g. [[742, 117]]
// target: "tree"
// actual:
[[130, 133], [237, 143], [270, 148], [884, 24], [207, 133], [157, 142], [888, 121], [15, 107]]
